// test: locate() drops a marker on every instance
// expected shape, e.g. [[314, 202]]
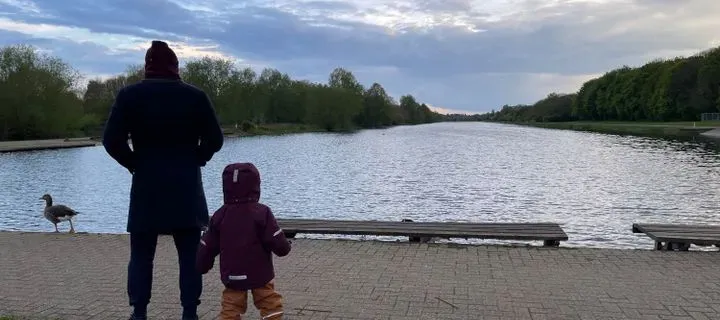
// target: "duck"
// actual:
[[57, 213]]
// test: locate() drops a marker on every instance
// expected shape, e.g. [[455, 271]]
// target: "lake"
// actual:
[[596, 185]]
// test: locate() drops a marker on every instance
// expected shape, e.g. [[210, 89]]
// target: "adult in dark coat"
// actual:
[[174, 132]]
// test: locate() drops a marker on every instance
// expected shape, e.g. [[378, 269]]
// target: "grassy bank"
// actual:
[[271, 130], [70, 142], [655, 129]]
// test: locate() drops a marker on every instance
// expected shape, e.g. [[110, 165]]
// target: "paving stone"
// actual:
[[83, 276]]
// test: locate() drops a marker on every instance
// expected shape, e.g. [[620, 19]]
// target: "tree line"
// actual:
[[41, 96], [678, 89]]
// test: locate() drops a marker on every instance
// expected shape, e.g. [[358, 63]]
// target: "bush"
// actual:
[[247, 126]]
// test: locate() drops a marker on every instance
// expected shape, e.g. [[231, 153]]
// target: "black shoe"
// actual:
[[134, 317], [189, 314]]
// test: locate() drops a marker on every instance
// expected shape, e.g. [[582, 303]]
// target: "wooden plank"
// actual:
[[426, 225], [684, 231], [680, 228], [444, 225], [680, 233], [305, 222], [688, 233], [416, 226], [642, 228], [677, 226], [683, 238], [374, 232], [410, 228], [502, 231], [366, 222]]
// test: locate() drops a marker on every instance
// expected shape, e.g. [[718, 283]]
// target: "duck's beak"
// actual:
[[42, 198]]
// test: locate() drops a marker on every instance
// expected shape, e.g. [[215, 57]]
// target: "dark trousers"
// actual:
[[140, 269]]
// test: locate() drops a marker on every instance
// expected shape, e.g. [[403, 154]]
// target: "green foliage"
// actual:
[[37, 95], [679, 89], [555, 107], [40, 98], [377, 110], [247, 126]]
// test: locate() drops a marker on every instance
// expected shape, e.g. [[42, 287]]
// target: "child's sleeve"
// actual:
[[209, 246], [273, 237]]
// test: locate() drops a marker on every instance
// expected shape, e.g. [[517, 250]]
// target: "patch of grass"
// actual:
[[652, 129], [284, 128], [683, 124], [271, 130]]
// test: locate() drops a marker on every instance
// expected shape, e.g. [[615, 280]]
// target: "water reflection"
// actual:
[[596, 185]]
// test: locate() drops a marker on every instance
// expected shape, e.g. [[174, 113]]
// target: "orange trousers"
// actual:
[[266, 300]]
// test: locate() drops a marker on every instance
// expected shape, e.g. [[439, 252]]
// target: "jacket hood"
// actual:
[[241, 183]]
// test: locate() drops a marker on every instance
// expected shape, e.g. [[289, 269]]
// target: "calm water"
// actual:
[[595, 185]]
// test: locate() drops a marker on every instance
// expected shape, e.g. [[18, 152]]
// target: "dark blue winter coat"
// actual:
[[174, 132]]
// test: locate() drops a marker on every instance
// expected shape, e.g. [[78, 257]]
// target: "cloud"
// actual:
[[459, 54]]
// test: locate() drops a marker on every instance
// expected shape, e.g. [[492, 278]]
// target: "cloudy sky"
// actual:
[[460, 55]]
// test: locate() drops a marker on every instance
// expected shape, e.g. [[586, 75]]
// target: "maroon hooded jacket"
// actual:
[[243, 232]]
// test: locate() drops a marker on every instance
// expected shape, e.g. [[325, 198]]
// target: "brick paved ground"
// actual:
[[83, 277]]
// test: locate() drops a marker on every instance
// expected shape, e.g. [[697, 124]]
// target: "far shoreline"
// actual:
[[275, 129], [681, 129], [677, 130]]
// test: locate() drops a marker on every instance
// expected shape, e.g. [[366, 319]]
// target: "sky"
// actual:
[[465, 56]]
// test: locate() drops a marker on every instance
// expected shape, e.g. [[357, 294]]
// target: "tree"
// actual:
[[678, 89], [377, 108], [412, 110], [341, 78], [40, 97], [214, 77]]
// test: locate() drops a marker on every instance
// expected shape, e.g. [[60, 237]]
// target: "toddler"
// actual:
[[244, 233]]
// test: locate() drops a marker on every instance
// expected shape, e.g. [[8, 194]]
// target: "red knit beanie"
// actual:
[[161, 62]]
